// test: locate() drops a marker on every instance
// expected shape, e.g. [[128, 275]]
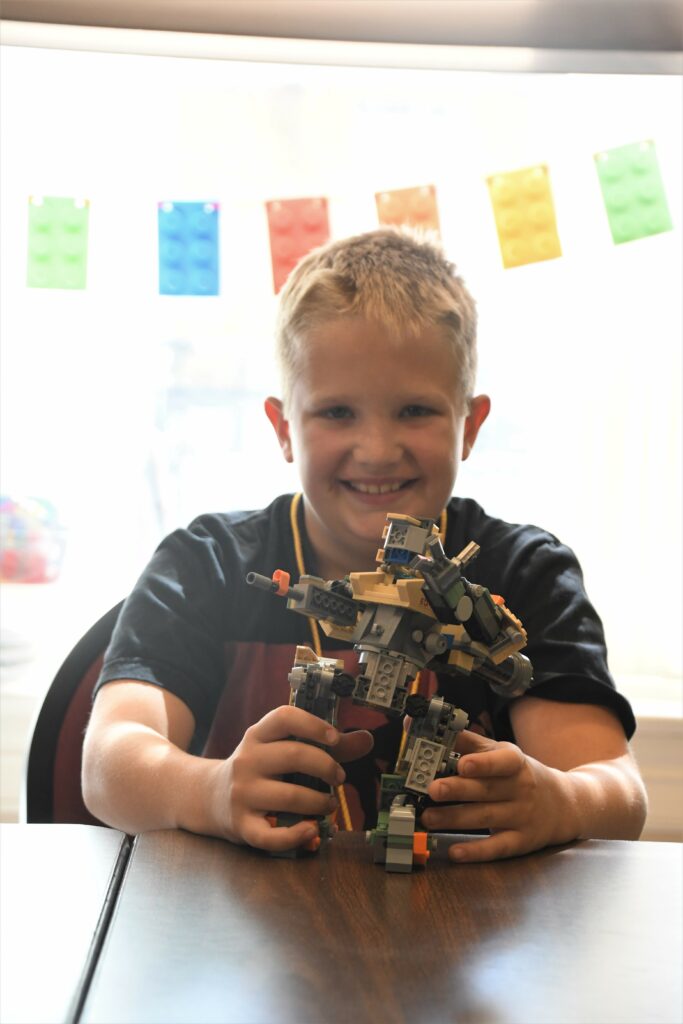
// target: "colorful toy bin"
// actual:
[[32, 541]]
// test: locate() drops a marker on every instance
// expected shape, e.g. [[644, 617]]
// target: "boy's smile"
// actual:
[[375, 425]]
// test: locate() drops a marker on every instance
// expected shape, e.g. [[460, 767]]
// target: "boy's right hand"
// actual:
[[249, 785]]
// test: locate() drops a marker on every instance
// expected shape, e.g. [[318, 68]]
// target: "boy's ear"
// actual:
[[480, 406], [275, 414]]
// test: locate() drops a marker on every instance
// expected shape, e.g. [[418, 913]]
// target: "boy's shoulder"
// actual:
[[512, 554], [467, 521], [240, 539], [244, 523]]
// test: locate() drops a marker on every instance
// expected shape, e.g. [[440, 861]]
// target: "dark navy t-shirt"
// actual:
[[193, 626]]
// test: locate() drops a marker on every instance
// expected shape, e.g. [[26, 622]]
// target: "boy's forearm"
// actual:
[[137, 781], [607, 799]]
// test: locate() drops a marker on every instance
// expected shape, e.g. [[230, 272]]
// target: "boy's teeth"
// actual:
[[375, 488]]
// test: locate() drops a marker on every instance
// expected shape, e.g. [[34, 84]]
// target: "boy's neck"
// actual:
[[332, 570], [332, 565], [333, 560]]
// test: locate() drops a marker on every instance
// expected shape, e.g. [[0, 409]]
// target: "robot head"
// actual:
[[404, 537]]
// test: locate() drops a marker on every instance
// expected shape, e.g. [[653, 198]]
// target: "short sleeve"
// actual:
[[566, 638], [171, 628]]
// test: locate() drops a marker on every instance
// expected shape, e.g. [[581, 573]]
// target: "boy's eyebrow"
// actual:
[[331, 399], [399, 398]]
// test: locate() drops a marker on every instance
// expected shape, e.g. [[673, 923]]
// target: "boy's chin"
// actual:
[[368, 534]]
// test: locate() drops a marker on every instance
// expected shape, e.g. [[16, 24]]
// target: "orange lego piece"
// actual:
[[282, 579], [421, 852]]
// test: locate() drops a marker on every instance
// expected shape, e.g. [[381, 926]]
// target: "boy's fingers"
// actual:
[[285, 721], [290, 756], [504, 760], [496, 847], [469, 742], [274, 795], [259, 833], [353, 745], [471, 817], [457, 789]]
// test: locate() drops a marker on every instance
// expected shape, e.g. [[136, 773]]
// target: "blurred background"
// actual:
[[130, 406]]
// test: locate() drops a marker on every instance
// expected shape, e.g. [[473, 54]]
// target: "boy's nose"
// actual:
[[377, 446]]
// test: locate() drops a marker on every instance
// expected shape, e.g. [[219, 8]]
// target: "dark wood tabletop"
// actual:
[[56, 884], [208, 932]]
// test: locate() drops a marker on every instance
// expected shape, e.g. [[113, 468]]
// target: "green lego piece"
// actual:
[[396, 842], [57, 242], [382, 821], [455, 593], [391, 785], [633, 192]]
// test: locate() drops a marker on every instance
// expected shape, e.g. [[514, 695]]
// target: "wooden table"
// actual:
[[57, 884], [206, 932]]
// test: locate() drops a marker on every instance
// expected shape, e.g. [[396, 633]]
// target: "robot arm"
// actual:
[[493, 636], [311, 596]]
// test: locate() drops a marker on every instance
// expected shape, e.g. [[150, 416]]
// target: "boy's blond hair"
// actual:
[[393, 276]]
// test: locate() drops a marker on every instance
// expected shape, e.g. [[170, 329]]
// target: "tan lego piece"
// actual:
[[382, 588]]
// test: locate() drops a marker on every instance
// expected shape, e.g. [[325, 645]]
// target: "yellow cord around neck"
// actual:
[[315, 633]]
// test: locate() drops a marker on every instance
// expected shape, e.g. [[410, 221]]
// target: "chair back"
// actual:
[[52, 780]]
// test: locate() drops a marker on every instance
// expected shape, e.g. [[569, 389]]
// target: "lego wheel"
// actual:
[[417, 705], [343, 685]]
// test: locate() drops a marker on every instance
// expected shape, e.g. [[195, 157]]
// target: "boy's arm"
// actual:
[[571, 776], [138, 776], [136, 772]]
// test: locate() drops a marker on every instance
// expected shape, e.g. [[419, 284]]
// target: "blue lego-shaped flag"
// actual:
[[188, 248]]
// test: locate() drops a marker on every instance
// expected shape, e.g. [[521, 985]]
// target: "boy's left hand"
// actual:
[[523, 802]]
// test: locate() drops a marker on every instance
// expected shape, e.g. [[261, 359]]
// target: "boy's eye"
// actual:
[[414, 411], [336, 412]]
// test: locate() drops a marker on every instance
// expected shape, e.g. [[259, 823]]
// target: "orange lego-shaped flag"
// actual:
[[415, 207]]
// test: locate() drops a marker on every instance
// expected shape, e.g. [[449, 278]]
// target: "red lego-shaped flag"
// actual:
[[295, 227]]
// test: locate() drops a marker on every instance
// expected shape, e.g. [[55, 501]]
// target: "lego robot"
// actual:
[[416, 611]]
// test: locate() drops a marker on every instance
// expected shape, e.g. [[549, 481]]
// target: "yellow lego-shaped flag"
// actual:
[[415, 207], [525, 216]]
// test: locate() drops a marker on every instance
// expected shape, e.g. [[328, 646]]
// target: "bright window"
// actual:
[[131, 412]]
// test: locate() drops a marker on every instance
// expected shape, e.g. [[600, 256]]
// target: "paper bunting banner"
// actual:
[[415, 207], [633, 192], [57, 242], [188, 248], [525, 216], [295, 227]]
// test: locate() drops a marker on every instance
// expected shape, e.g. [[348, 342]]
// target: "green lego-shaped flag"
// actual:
[[633, 192], [57, 242]]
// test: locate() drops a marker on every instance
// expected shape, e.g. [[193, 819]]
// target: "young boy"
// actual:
[[377, 344]]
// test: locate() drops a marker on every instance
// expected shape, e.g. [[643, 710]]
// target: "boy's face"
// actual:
[[375, 425]]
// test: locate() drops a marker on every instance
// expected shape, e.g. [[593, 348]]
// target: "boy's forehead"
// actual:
[[340, 357], [373, 336]]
